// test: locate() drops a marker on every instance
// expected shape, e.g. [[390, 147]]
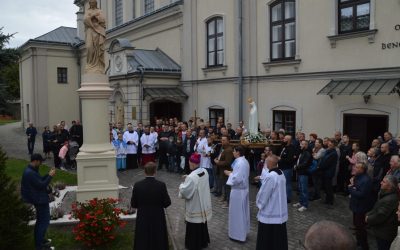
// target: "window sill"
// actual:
[[295, 63], [215, 69], [370, 34]]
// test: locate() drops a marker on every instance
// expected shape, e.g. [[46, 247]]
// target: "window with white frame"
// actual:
[[118, 12], [148, 6], [215, 42], [283, 30], [353, 15]]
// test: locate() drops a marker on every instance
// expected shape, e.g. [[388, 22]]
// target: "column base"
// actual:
[[97, 176]]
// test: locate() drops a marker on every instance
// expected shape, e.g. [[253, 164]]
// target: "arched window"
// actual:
[[283, 30], [215, 42]]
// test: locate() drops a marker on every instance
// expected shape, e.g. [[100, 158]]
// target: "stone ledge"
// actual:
[[295, 63], [222, 69], [370, 34]]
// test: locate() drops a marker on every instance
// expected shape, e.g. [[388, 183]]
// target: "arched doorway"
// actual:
[[165, 109], [119, 108]]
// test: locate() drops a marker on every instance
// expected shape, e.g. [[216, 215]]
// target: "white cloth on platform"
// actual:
[[133, 137], [150, 140], [196, 192], [253, 119], [271, 199], [239, 208]]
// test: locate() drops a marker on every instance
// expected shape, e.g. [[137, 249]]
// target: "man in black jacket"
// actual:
[[34, 191], [344, 172], [303, 163], [150, 197], [286, 163], [31, 133], [328, 166]]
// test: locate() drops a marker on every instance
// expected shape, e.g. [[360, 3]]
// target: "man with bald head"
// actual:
[[286, 163], [273, 213], [328, 235]]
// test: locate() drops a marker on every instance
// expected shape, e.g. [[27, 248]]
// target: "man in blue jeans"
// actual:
[[34, 191], [302, 166], [286, 163]]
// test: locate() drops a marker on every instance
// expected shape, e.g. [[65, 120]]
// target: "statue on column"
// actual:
[[95, 30], [253, 117]]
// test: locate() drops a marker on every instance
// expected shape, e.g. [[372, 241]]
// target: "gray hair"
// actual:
[[392, 180]]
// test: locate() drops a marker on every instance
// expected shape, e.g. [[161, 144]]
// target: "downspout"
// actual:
[[141, 70], [240, 54], [78, 62]]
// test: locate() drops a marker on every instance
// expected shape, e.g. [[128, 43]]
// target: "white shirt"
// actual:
[[132, 148], [205, 160], [271, 199], [148, 140]]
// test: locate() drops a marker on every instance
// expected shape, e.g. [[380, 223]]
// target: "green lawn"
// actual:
[[3, 122], [63, 238], [15, 168]]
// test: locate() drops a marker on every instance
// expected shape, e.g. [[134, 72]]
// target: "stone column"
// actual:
[[97, 175]]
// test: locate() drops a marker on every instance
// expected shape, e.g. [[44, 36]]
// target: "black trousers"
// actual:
[[31, 146], [328, 189], [131, 161], [361, 230], [163, 159]]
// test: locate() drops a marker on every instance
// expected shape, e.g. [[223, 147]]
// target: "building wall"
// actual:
[[62, 95], [26, 86]]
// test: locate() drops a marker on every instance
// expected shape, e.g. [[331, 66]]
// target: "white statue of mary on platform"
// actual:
[[253, 117]]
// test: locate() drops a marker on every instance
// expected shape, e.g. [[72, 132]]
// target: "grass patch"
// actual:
[[3, 122], [15, 168]]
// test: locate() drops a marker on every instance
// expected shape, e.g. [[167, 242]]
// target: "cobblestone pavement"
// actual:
[[13, 140]]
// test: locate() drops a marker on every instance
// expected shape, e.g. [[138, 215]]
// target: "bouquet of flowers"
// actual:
[[98, 219], [254, 138]]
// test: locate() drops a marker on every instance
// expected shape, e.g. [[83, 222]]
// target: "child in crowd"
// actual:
[[120, 148], [63, 155]]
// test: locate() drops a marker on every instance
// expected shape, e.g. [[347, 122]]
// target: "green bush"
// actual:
[[14, 214]]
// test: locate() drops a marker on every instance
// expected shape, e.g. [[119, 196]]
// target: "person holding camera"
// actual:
[[34, 191]]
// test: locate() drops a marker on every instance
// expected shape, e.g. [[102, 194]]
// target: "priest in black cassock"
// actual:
[[150, 197]]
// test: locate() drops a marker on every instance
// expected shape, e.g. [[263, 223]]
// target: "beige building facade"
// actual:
[[312, 66]]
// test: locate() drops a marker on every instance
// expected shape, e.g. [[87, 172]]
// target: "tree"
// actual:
[[14, 214], [9, 72]]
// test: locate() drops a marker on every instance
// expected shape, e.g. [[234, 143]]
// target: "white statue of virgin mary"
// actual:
[[253, 117]]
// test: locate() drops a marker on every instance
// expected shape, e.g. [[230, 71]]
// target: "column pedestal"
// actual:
[[97, 174]]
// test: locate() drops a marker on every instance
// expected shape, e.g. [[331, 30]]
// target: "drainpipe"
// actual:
[[240, 53], [78, 62], [141, 70]]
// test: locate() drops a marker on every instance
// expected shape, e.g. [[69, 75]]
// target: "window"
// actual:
[[118, 12], [148, 6], [286, 120], [133, 9], [62, 75], [354, 15], [215, 42], [283, 30], [214, 114]]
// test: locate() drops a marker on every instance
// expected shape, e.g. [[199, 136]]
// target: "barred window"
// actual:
[[62, 75], [118, 12], [148, 6]]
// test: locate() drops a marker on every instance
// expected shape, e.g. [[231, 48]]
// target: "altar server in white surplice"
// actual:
[[272, 204], [239, 211]]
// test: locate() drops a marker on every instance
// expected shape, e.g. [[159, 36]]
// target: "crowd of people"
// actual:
[[213, 161], [330, 164], [62, 142]]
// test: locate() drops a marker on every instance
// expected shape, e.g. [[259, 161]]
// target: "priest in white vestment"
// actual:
[[272, 204], [132, 139], [239, 208], [196, 192], [148, 142]]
